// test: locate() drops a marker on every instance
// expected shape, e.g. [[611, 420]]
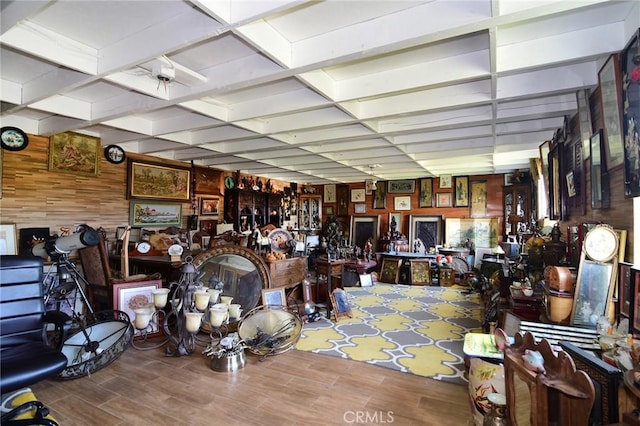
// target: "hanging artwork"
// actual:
[[75, 153], [483, 232]]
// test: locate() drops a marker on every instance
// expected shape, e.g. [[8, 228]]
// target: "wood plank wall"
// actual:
[[32, 196]]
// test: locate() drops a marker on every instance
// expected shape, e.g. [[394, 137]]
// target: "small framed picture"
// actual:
[[402, 203], [328, 210], [274, 298], [330, 193], [443, 199], [129, 296], [462, 191], [341, 307], [366, 280], [210, 206], [445, 181], [571, 186], [360, 208], [8, 239], [358, 195]]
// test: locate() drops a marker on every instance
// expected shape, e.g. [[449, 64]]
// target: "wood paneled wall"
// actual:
[[32, 196], [495, 207]]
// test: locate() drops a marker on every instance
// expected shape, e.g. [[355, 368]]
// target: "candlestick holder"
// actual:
[[176, 312]]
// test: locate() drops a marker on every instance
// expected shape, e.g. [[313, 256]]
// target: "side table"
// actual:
[[353, 269]]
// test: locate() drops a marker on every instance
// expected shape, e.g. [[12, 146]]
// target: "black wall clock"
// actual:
[[13, 139], [114, 154]]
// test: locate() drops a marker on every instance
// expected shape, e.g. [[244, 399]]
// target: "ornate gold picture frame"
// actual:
[[75, 153]]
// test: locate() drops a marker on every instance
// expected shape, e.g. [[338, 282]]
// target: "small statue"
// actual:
[[534, 361]]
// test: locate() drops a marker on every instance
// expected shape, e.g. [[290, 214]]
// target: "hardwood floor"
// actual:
[[294, 388]]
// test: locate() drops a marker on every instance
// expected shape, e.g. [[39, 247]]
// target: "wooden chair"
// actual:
[[97, 271], [562, 395]]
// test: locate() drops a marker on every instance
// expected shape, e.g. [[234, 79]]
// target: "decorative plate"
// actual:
[[114, 154], [279, 238], [601, 243], [229, 183], [13, 139]]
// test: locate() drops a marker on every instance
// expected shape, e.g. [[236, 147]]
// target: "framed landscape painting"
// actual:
[[150, 213], [158, 182]]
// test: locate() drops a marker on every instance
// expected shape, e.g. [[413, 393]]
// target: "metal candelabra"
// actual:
[[181, 322]]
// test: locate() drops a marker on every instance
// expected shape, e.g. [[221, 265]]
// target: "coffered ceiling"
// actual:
[[308, 91]]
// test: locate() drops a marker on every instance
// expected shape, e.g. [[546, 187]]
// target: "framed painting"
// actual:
[[427, 229], [478, 198], [150, 213], [8, 239], [340, 303], [128, 296], [483, 232], [402, 203], [360, 208], [274, 297], [158, 182], [380, 198], [599, 176], [207, 180], [357, 195], [366, 280], [610, 95], [420, 270], [445, 181], [364, 228], [210, 206], [30, 237], [462, 191], [369, 186], [544, 149], [328, 210], [75, 153], [426, 193], [631, 116], [389, 270], [330, 193], [443, 199], [407, 186], [342, 200], [593, 292], [571, 185], [584, 119]]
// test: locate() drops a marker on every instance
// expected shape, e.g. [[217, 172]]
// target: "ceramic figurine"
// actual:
[[534, 361]]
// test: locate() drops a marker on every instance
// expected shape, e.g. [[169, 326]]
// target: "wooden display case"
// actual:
[[310, 212], [245, 208], [517, 208]]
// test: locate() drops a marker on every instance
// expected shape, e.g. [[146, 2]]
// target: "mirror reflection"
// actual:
[[238, 273]]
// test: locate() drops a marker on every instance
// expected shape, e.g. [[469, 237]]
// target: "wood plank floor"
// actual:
[[294, 388]]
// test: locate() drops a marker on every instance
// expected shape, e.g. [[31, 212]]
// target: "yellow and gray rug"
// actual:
[[413, 329]]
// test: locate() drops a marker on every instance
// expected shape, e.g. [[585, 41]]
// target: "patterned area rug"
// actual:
[[413, 329]]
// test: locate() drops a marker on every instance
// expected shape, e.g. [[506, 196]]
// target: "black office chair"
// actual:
[[25, 356]]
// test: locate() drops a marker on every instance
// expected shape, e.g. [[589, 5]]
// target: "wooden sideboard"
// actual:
[[288, 272]]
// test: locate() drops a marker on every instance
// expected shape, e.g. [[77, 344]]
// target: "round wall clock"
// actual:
[[114, 154], [13, 139], [601, 243]]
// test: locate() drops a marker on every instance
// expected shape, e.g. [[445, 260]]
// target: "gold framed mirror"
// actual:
[[237, 271]]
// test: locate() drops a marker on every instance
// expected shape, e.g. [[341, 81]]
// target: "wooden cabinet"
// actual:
[[517, 208], [245, 208], [288, 272], [310, 212]]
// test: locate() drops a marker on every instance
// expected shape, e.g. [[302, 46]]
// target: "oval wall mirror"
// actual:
[[238, 271]]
